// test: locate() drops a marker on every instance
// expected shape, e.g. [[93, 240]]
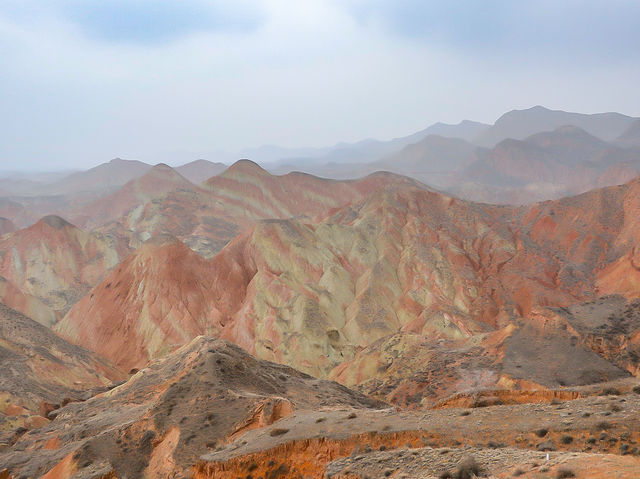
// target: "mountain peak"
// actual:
[[55, 222], [161, 166], [244, 168], [163, 172]]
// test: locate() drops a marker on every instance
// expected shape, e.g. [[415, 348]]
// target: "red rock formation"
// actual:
[[407, 259], [57, 262], [207, 218]]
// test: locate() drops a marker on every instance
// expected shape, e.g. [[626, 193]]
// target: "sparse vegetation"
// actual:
[[467, 469], [564, 473], [566, 439], [610, 392]]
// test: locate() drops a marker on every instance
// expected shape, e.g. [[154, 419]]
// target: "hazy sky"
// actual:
[[83, 81]]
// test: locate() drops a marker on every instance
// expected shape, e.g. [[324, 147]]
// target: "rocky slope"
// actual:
[[156, 300], [30, 306], [404, 260], [39, 371], [57, 262], [593, 437], [159, 422]]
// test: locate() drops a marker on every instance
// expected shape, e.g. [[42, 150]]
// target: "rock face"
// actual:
[[56, 262], [39, 371], [156, 300], [26, 304], [311, 294], [159, 422], [608, 325]]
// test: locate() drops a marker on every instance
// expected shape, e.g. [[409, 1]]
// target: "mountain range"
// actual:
[[242, 321]]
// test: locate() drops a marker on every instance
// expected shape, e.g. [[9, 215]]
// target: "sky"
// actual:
[[84, 81]]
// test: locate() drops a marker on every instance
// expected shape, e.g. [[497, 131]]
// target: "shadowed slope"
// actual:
[[39, 370]]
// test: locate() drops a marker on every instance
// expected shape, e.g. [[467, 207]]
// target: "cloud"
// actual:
[[142, 21], [569, 30], [150, 21], [308, 73]]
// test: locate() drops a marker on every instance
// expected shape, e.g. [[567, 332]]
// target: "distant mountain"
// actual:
[[548, 165], [274, 153], [434, 153], [157, 181], [631, 136], [106, 176], [519, 124], [365, 151], [200, 170], [465, 130]]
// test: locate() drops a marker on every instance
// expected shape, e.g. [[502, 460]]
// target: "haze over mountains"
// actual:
[[522, 158], [171, 322]]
